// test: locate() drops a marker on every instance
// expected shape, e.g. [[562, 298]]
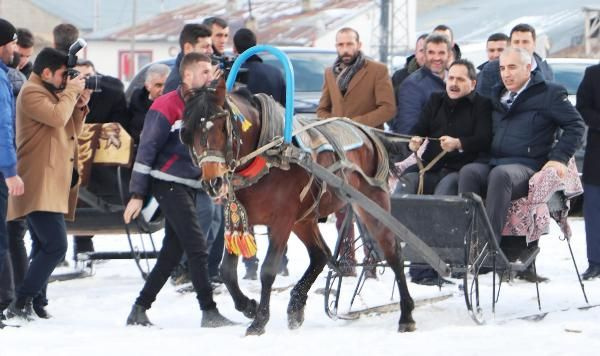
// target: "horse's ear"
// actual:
[[220, 92]]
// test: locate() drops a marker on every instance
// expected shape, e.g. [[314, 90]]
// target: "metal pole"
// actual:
[[132, 46], [384, 21]]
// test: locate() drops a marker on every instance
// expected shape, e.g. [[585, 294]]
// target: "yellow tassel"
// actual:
[[246, 125]]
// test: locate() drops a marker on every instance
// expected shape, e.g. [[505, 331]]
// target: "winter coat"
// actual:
[[368, 100], [17, 79], [8, 157], [174, 79], [161, 154], [138, 107], [588, 104], [47, 128], [108, 105], [468, 119], [489, 76], [263, 78], [412, 96], [401, 74], [526, 132]]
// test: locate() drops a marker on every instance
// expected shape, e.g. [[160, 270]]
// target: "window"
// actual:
[[142, 58]]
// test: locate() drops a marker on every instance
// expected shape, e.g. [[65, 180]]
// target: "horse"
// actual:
[[216, 139]]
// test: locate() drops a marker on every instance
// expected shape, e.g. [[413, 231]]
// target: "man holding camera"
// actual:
[[50, 113]]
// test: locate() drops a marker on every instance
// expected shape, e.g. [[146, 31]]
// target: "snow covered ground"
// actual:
[[89, 316]]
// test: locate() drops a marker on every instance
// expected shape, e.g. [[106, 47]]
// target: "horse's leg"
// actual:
[[309, 234], [277, 242], [229, 274], [392, 250]]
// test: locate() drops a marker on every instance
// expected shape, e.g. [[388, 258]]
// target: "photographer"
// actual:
[[50, 113]]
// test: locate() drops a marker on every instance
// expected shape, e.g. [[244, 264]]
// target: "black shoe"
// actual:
[[138, 316], [591, 272], [431, 281], [213, 319], [251, 274], [529, 276], [41, 312], [21, 308]]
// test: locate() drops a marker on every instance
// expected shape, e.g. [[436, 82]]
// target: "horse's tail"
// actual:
[[397, 149]]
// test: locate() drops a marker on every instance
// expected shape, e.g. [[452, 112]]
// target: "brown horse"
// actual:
[[216, 139]]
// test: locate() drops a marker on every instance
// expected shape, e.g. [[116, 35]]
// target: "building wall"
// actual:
[[105, 54], [22, 13]]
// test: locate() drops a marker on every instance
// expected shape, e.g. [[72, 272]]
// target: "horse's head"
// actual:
[[209, 133]]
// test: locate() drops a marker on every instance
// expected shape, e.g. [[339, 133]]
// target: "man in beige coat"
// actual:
[[49, 119], [360, 89]]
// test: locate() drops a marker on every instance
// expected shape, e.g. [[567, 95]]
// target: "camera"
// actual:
[[92, 82]]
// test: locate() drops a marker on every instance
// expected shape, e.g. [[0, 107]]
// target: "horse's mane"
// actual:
[[199, 103]]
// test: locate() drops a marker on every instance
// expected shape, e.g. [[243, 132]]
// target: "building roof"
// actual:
[[278, 22], [111, 13]]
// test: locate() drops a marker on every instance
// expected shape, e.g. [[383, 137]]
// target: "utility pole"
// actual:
[[133, 33]]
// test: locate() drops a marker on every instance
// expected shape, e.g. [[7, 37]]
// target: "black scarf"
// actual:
[[345, 72]]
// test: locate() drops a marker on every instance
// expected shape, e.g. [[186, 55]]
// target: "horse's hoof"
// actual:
[[407, 327], [255, 330], [251, 309], [295, 319]]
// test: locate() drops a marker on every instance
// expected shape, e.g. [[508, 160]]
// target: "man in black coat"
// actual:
[[462, 121], [413, 63], [142, 98], [260, 77], [521, 36], [588, 104], [527, 113]]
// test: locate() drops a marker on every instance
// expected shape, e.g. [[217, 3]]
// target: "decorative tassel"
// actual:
[[238, 238]]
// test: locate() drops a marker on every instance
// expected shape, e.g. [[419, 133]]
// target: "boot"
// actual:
[[138, 316], [41, 312], [211, 318], [21, 308], [251, 274]]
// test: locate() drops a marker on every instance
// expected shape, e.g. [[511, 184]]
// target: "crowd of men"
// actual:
[[485, 130]]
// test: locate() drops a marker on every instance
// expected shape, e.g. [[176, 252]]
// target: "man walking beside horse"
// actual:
[[360, 89]]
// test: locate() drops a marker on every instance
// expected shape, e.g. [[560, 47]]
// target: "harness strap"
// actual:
[[424, 169]]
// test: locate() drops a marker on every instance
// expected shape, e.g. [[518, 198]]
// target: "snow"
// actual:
[[89, 315]]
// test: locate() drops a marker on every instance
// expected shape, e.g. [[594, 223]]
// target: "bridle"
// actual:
[[232, 147]]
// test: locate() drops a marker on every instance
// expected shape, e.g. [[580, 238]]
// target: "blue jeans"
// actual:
[[49, 245], [591, 211]]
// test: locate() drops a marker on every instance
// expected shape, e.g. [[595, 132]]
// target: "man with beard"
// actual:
[[418, 87], [10, 182], [360, 89], [163, 167], [462, 120]]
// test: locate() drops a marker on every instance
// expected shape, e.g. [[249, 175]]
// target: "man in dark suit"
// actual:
[[588, 104], [528, 112]]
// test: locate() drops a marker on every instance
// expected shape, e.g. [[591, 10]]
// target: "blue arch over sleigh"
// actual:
[[289, 81]]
